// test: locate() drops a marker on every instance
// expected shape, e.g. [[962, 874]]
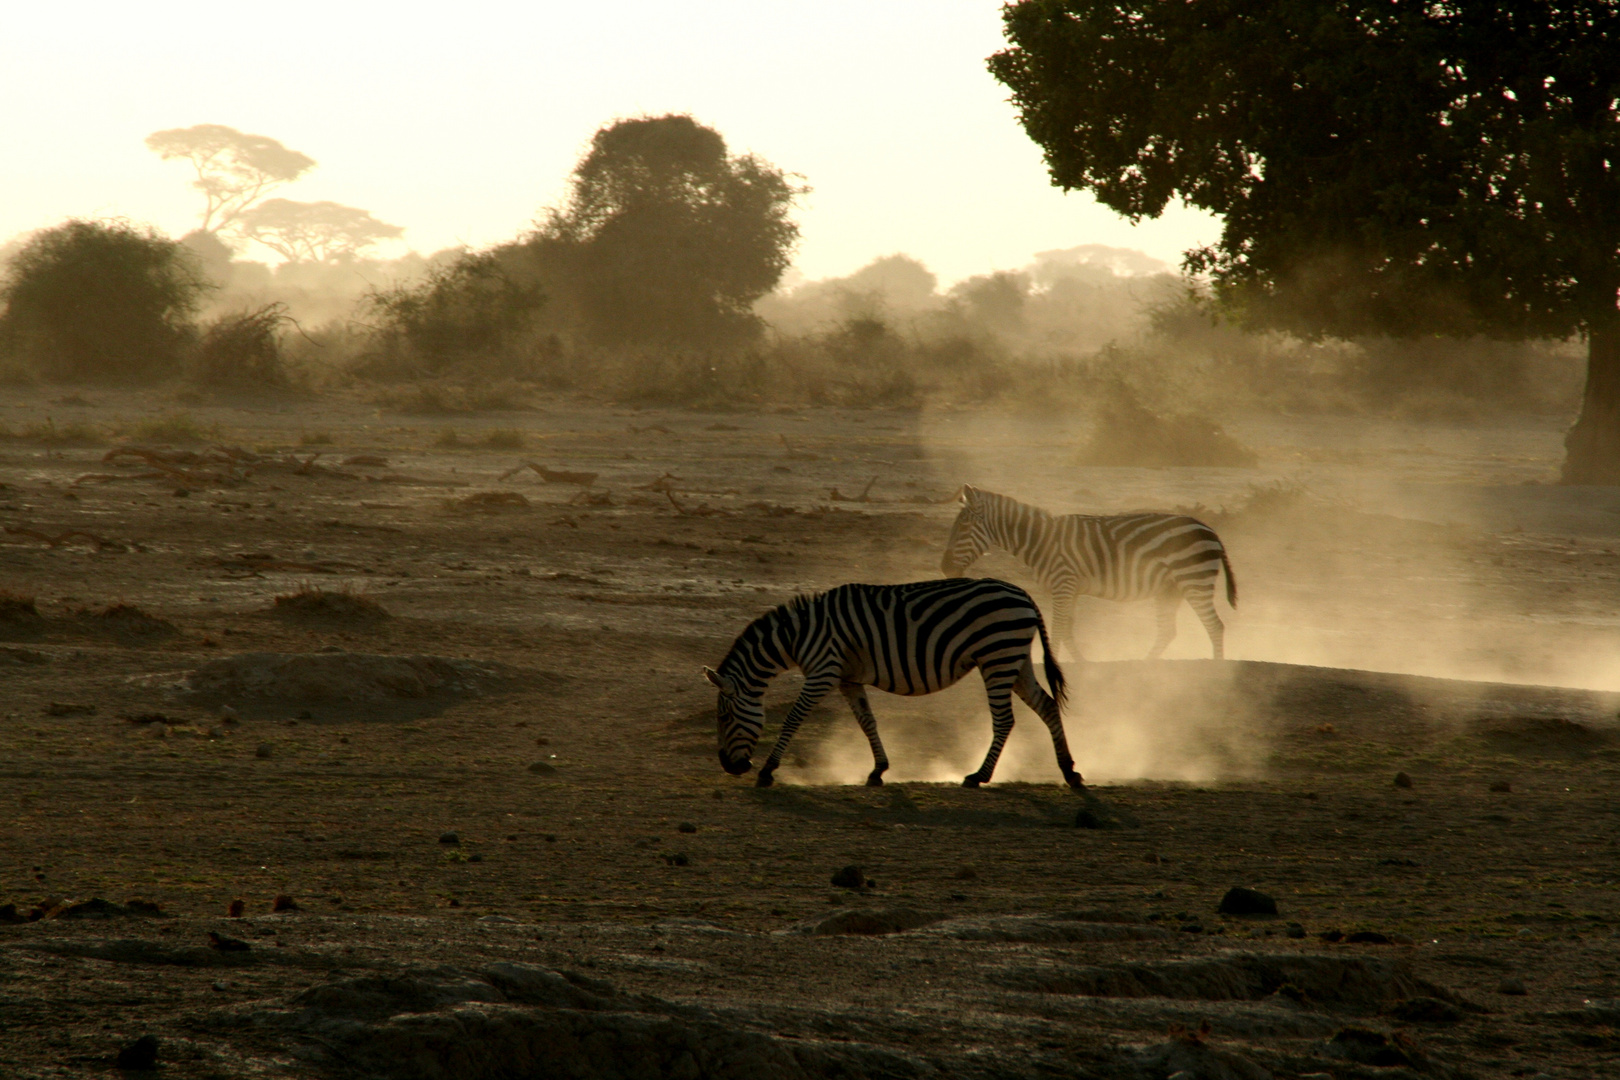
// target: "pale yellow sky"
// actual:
[[461, 122]]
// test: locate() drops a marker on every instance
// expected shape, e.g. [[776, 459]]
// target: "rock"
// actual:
[[272, 685], [1512, 987], [677, 859], [1502, 786], [67, 708], [265, 750], [966, 873], [283, 902], [687, 827], [540, 768], [1244, 901], [236, 907], [1087, 819], [148, 908], [850, 877], [449, 838], [1368, 937], [1402, 780], [1296, 930], [227, 944], [140, 1055], [9, 915], [95, 908]]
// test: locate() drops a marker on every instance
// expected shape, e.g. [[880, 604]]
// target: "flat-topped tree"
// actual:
[[320, 232], [1380, 167], [234, 170]]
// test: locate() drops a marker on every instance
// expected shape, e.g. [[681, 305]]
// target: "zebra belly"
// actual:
[[882, 677]]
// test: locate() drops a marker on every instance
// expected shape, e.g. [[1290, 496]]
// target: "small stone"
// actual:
[[1367, 937], [1502, 786], [227, 944], [687, 827], [1296, 930], [1243, 901], [677, 860], [283, 902], [220, 985], [1426, 1010], [449, 838], [235, 908], [1192, 928], [718, 794], [540, 768], [1402, 780], [1525, 932], [142, 1054], [850, 877], [229, 715], [475, 858], [265, 750], [1512, 987], [966, 873], [1151, 857]]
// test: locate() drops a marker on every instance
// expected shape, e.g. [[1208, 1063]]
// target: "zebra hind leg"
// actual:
[[1202, 601], [1166, 605], [998, 688], [855, 694], [1038, 699]]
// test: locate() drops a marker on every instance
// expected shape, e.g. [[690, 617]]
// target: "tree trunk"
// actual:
[[1592, 447]]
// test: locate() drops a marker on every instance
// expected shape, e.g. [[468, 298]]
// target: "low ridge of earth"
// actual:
[[460, 790]]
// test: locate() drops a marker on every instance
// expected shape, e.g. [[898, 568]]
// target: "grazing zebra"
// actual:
[[1164, 557], [905, 639]]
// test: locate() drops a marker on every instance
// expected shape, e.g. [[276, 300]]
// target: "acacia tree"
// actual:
[[321, 232], [1381, 167], [234, 170], [666, 238]]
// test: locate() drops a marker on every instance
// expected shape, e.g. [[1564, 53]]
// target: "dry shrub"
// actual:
[[127, 623], [243, 352], [1128, 433], [453, 399], [176, 428], [49, 434], [340, 606]]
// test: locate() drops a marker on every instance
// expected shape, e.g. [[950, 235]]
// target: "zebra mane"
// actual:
[[995, 497]]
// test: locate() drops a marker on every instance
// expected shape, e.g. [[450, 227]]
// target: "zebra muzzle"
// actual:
[[735, 767]]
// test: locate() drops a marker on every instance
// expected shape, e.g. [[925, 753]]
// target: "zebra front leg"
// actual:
[[1038, 699], [998, 688], [810, 695], [855, 694], [1167, 604]]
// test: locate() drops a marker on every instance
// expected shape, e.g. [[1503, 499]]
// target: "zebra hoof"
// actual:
[[875, 780], [765, 779], [1075, 781], [971, 781]]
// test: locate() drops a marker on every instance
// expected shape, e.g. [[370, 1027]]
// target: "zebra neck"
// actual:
[[764, 650], [1023, 534]]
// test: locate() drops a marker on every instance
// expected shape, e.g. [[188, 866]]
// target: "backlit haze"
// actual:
[[461, 122]]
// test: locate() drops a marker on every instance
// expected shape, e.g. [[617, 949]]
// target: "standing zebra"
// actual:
[[905, 639], [1165, 557]]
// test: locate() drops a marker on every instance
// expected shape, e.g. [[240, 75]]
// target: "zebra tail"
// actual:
[[1231, 582], [1054, 674]]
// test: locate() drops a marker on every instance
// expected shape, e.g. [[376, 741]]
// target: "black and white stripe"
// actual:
[[905, 639], [1166, 558]]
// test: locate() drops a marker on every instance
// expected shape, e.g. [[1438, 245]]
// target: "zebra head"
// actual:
[[741, 717], [970, 535]]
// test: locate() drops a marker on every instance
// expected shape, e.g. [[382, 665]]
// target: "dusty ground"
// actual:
[[570, 748]]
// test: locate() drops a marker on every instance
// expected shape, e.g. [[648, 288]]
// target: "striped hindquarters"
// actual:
[[1133, 556]]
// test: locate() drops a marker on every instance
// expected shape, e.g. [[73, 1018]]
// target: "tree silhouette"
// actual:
[[320, 232], [234, 170], [1391, 168], [666, 238]]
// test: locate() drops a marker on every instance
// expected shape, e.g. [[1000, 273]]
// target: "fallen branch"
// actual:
[[650, 427], [862, 497], [797, 455]]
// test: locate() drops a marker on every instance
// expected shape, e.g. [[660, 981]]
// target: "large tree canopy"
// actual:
[[234, 170], [321, 232], [666, 238], [1381, 166]]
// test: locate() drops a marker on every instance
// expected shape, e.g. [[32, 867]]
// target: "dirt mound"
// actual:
[[350, 683], [1543, 736], [20, 620], [520, 1020], [330, 607], [1357, 984], [867, 921], [126, 623], [1081, 926]]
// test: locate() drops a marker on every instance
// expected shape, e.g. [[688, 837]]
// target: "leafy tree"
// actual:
[[1381, 167], [321, 232], [234, 170], [665, 237], [100, 300]]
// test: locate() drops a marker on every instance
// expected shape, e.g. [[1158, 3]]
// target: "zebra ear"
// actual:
[[966, 493], [726, 685]]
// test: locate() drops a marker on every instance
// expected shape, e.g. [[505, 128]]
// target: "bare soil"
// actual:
[[1415, 754]]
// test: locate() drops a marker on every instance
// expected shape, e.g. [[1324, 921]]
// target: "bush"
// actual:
[[100, 301], [469, 316], [243, 352], [1128, 433]]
